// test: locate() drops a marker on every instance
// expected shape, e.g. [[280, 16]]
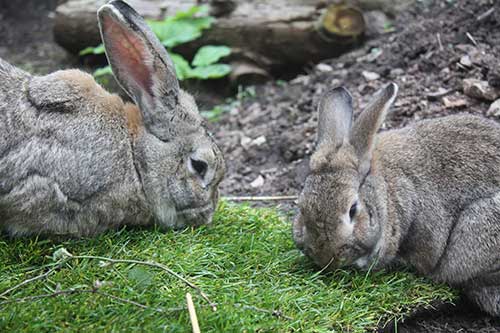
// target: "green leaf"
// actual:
[[183, 27], [103, 71], [201, 23], [87, 50], [209, 54], [215, 113], [99, 49], [140, 276], [210, 72], [173, 33], [182, 68]]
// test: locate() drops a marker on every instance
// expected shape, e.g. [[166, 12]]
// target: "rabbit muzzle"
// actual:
[[319, 249], [328, 254], [195, 216]]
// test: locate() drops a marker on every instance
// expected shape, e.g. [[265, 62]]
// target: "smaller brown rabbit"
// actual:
[[427, 196]]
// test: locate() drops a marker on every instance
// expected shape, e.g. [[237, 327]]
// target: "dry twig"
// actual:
[[264, 198], [440, 43], [113, 261], [33, 279], [485, 14], [192, 314], [155, 265], [80, 291], [275, 313], [471, 38]]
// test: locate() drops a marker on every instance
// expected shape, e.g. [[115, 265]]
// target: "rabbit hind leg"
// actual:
[[472, 250], [487, 298]]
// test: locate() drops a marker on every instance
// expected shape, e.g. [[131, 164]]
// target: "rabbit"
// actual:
[[426, 196], [76, 160]]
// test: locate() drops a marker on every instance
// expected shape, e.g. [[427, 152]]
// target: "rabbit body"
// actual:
[[443, 202], [442, 190], [76, 160], [66, 161], [427, 196]]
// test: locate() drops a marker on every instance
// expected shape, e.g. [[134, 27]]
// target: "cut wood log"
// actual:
[[341, 20]]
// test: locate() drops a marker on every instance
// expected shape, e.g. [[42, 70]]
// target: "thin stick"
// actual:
[[54, 294], [274, 313], [471, 38], [127, 301], [269, 198], [33, 279], [441, 48], [486, 14], [152, 264], [192, 314], [79, 291]]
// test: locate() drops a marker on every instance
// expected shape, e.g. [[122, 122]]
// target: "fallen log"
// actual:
[[282, 33]]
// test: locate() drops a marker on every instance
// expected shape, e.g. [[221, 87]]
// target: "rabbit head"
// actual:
[[177, 160], [340, 222]]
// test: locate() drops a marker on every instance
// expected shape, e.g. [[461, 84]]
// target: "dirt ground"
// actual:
[[268, 135], [285, 114]]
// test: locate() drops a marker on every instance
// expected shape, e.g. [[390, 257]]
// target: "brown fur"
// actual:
[[84, 85], [427, 195], [134, 119]]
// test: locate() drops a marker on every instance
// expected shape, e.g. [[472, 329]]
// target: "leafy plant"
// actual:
[[179, 29], [243, 94]]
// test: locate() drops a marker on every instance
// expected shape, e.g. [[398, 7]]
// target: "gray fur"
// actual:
[[430, 199], [74, 162]]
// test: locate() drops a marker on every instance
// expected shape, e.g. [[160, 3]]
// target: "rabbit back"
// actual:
[[443, 177], [66, 165]]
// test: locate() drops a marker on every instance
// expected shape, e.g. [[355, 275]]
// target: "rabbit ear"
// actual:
[[335, 117], [368, 123], [140, 64]]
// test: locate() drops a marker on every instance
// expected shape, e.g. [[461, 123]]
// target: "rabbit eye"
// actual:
[[353, 210]]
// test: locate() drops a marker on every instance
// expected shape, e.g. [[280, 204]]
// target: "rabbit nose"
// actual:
[[201, 164], [200, 167]]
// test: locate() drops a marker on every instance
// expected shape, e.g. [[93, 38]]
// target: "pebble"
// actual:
[[245, 141], [258, 182], [451, 103], [324, 67], [465, 60], [259, 141], [370, 76], [494, 110], [480, 89], [396, 72]]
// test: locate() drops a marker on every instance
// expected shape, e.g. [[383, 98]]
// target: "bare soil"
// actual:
[[422, 56], [268, 136]]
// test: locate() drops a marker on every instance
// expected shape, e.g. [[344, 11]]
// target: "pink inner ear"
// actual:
[[129, 54]]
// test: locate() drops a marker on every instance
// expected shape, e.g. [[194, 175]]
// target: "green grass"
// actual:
[[246, 257]]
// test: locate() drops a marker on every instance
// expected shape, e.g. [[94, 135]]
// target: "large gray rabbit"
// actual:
[[427, 196], [76, 160]]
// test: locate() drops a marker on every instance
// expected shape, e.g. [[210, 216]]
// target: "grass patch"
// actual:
[[245, 259]]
